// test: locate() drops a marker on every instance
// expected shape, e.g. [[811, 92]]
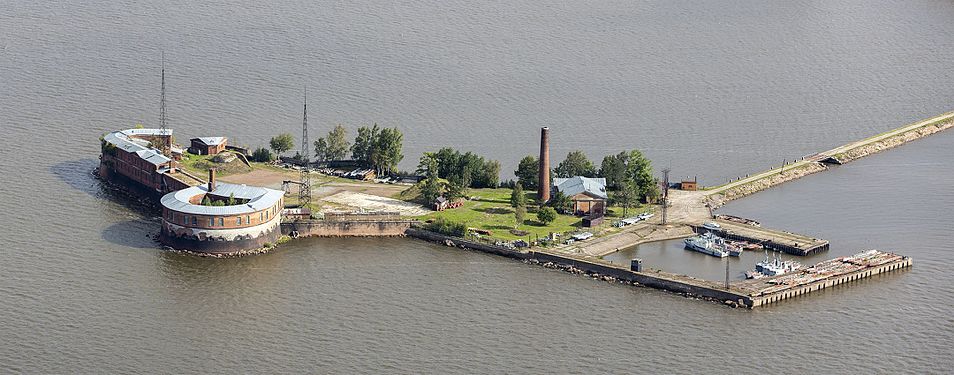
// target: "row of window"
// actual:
[[263, 216]]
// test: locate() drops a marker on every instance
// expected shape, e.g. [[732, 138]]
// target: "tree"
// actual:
[[337, 143], [626, 196], [364, 143], [321, 149], [528, 172], [546, 215], [489, 175], [519, 214], [456, 188], [231, 201], [517, 198], [613, 169], [281, 143], [388, 150], [430, 187], [206, 201], [560, 202], [575, 164], [262, 155]]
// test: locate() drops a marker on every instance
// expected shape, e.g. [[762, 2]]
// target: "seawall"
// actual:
[[327, 228], [943, 122]]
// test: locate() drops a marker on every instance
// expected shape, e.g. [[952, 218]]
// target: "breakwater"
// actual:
[[719, 195], [787, 242]]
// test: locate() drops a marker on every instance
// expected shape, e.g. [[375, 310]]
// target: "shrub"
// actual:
[[448, 227], [546, 215]]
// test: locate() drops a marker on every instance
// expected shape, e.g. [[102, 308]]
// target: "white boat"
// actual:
[[775, 267], [711, 225], [582, 236], [708, 244]]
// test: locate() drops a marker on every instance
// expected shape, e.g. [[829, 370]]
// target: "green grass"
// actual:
[[490, 210], [199, 165]]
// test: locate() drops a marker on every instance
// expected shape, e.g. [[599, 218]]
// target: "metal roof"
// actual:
[[259, 199], [576, 185], [122, 140], [210, 141]]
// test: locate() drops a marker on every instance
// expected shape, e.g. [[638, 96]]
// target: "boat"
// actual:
[[708, 244], [711, 225], [733, 250], [774, 267]]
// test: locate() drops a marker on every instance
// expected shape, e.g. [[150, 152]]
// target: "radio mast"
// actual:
[[304, 192]]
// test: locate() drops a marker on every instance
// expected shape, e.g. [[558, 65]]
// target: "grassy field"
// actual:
[[199, 165], [490, 210]]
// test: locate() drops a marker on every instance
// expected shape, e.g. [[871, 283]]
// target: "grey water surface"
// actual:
[[714, 89]]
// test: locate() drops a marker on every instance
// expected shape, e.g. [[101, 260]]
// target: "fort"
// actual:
[[228, 218]]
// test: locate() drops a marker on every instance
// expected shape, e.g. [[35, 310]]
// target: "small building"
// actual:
[[207, 145], [689, 185], [441, 204], [588, 194]]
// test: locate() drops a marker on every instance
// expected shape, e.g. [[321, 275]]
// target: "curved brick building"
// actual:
[[253, 220]]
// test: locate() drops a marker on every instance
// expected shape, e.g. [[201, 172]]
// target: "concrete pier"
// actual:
[[787, 242]]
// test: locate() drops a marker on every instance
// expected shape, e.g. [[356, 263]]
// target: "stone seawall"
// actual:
[[323, 228], [721, 198], [466, 244], [891, 142]]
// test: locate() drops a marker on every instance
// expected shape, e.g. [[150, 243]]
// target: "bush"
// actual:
[[450, 228], [546, 215], [262, 155]]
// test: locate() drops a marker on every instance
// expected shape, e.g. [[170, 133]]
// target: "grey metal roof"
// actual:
[[210, 141], [259, 199], [122, 140], [576, 185]]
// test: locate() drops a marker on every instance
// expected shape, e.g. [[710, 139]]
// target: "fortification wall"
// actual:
[[324, 228]]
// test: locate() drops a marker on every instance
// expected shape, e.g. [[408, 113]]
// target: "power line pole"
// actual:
[[665, 199], [304, 192]]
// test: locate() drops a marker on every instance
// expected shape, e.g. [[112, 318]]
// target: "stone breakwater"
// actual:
[[719, 199], [891, 142]]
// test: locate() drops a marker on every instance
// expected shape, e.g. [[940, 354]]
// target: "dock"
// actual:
[[787, 242]]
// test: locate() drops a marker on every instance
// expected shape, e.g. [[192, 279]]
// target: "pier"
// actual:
[[787, 242]]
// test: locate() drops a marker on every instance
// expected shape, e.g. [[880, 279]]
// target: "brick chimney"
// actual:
[[211, 179], [543, 191]]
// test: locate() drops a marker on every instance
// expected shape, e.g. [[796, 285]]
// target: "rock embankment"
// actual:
[[717, 200], [891, 142]]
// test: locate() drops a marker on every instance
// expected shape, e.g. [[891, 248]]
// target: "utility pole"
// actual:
[[304, 191], [665, 199]]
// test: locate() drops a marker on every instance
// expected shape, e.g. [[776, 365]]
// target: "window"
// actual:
[[238, 220], [261, 216], [195, 220], [221, 221], [211, 221], [248, 219]]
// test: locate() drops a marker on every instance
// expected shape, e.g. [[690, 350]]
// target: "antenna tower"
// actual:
[[665, 198], [304, 192], [164, 148]]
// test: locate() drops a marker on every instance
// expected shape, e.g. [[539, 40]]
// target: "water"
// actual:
[[716, 89]]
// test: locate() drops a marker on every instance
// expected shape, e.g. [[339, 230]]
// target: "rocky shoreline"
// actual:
[[720, 199], [892, 142]]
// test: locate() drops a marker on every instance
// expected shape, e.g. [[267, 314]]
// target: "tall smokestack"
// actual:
[[211, 179], [543, 192]]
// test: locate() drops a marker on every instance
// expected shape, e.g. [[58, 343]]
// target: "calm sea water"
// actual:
[[714, 88]]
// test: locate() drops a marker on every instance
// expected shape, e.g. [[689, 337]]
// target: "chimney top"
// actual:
[[211, 179]]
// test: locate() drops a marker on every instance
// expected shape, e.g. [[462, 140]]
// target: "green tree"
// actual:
[[626, 196], [517, 197], [560, 202], [489, 175], [206, 201], [281, 143], [546, 215], [388, 150], [430, 186], [321, 149], [519, 214], [337, 143], [364, 143], [575, 164], [613, 169], [262, 155], [528, 172], [232, 201]]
